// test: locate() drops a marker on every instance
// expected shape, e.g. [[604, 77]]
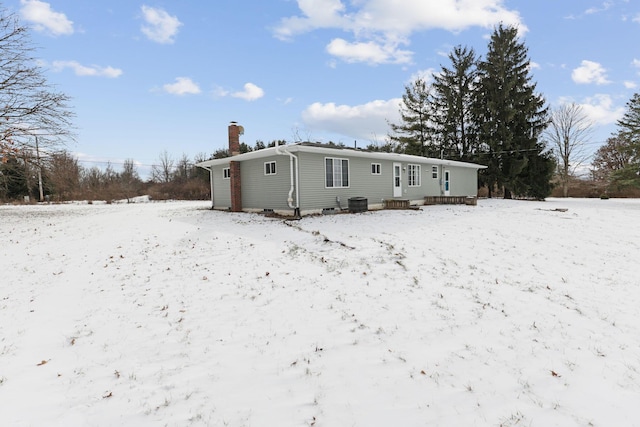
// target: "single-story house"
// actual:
[[308, 178]]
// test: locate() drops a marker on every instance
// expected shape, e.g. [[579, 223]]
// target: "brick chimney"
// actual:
[[236, 186], [234, 139], [234, 167]]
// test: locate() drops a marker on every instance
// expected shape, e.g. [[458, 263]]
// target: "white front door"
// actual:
[[397, 180], [447, 183]]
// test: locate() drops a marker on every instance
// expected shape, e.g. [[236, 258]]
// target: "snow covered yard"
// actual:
[[507, 313]]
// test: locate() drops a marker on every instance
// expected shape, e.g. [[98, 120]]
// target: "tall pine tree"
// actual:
[[510, 117], [414, 134], [452, 104]]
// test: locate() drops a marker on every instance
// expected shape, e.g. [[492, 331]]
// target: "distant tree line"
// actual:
[[64, 178]]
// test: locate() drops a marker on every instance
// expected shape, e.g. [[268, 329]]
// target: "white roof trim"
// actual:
[[336, 151]]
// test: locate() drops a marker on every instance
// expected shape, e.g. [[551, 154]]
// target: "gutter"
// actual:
[[295, 179]]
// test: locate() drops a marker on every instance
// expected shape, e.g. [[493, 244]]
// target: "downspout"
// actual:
[[295, 178], [210, 169]]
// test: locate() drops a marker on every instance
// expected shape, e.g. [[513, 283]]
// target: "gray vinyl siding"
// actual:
[[260, 191], [430, 185], [221, 188], [315, 195], [463, 181], [376, 188]]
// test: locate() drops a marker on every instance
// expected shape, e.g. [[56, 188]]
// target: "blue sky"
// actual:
[[151, 76]]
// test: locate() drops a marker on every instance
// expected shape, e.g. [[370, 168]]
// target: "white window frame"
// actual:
[[226, 173], [434, 172], [413, 175], [270, 168], [376, 169], [337, 173]]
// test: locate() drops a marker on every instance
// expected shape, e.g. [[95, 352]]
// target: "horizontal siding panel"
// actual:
[[260, 191], [221, 188]]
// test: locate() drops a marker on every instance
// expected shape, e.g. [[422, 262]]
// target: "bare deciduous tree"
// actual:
[[163, 171], [29, 107], [182, 169], [568, 134], [63, 175], [615, 155], [129, 178]]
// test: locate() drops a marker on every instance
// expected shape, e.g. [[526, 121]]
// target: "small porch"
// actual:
[[451, 200]]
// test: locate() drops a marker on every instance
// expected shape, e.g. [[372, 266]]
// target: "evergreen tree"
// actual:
[[415, 134], [629, 175], [13, 183], [452, 103], [510, 116]]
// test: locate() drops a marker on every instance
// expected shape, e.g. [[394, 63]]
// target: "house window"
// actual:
[[434, 172], [413, 177], [376, 169], [226, 173], [270, 168], [336, 172]]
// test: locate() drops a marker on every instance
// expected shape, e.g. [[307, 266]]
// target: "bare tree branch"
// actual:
[[29, 106]]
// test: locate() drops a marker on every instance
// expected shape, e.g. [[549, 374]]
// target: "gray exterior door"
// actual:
[[397, 180]]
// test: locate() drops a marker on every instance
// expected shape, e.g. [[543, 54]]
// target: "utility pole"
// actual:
[[39, 170]]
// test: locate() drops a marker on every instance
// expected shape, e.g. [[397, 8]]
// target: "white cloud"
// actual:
[[370, 52], [44, 19], [220, 92], [600, 109], [590, 72], [182, 86], [83, 70], [317, 14], [629, 84], [251, 92], [380, 26], [159, 25], [605, 6], [365, 122], [636, 63], [636, 18]]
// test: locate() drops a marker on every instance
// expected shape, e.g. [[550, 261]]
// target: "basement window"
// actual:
[[226, 173], [336, 172], [376, 168], [270, 168]]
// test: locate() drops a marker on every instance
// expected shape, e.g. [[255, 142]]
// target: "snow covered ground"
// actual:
[[507, 313]]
